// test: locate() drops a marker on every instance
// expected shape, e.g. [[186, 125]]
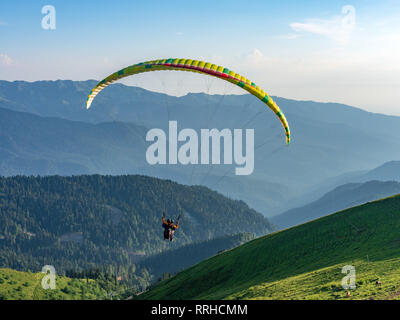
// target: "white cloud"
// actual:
[[338, 28], [255, 57], [5, 59]]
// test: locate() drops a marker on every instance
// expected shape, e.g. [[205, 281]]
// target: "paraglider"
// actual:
[[169, 227], [193, 66]]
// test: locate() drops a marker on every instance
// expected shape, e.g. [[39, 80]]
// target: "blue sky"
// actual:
[[337, 51]]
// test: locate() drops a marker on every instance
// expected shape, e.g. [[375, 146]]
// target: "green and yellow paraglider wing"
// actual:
[[193, 66]]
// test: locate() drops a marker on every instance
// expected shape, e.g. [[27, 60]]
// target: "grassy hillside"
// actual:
[[27, 285], [303, 262], [16, 285]]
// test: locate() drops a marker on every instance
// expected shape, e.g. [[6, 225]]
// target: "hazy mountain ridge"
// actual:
[[340, 198], [389, 171]]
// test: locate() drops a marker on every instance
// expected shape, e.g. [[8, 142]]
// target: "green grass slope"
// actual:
[[17, 285], [303, 262]]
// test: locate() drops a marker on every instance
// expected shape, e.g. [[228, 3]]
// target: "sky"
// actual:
[[328, 51]]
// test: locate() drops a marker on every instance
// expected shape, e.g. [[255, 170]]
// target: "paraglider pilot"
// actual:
[[169, 227]]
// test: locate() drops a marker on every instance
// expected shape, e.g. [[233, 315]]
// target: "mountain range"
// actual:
[[45, 129]]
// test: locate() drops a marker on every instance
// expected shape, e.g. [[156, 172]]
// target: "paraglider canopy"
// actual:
[[194, 66]]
